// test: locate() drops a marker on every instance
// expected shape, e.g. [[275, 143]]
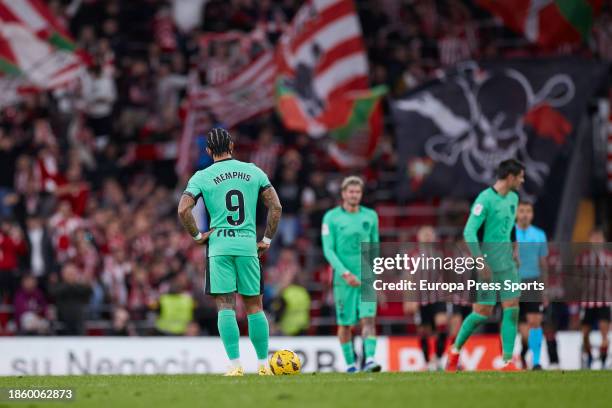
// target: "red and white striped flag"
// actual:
[[246, 94], [321, 59], [322, 86], [317, 78], [35, 15], [34, 46]]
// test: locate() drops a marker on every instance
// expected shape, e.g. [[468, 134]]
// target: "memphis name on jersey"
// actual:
[[233, 175]]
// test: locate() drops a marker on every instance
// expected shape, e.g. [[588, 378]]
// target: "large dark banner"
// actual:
[[452, 132]]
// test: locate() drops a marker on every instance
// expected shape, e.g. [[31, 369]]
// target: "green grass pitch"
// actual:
[[483, 389]]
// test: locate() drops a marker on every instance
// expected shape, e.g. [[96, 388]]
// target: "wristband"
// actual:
[[197, 237], [266, 240]]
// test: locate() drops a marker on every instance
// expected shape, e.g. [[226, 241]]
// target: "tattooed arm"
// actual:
[[272, 203], [184, 212]]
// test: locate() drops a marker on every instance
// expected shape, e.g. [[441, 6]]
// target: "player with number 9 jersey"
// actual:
[[230, 189]]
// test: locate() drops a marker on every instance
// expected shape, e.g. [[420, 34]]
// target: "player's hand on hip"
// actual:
[[204, 238], [515, 256], [517, 259], [351, 279], [262, 247]]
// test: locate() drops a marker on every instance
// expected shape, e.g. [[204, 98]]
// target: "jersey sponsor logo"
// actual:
[[324, 229], [231, 233], [226, 233], [232, 175], [477, 210]]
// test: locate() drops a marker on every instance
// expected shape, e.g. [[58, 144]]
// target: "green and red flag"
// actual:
[[355, 141], [548, 23], [8, 62]]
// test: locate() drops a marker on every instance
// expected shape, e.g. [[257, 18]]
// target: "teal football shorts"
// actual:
[[231, 273]]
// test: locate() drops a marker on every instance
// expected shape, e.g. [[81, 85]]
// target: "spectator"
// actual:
[[206, 315], [99, 95], [86, 255], [453, 46], [175, 309], [41, 259], [289, 192], [193, 329], [12, 247], [64, 224], [141, 295], [121, 324], [8, 159], [291, 305], [265, 155], [29, 197], [30, 308], [97, 308], [74, 189], [316, 199], [137, 98], [71, 297], [286, 266], [169, 86], [116, 270]]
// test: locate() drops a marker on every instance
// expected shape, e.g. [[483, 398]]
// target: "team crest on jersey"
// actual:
[[324, 229], [366, 225], [512, 207]]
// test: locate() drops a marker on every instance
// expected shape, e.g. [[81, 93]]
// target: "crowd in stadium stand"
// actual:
[[89, 237]]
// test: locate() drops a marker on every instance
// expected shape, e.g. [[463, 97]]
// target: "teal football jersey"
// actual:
[[342, 233], [496, 214], [230, 189]]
